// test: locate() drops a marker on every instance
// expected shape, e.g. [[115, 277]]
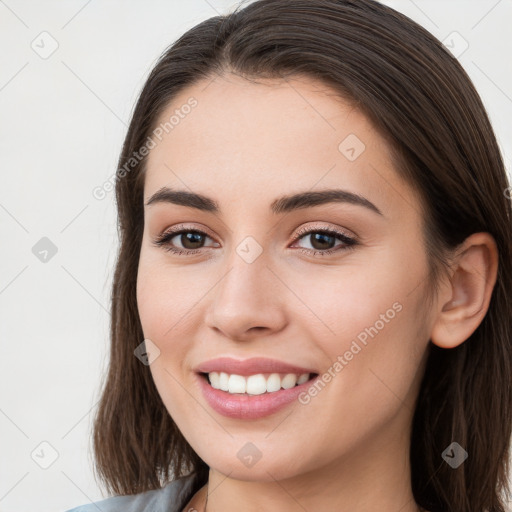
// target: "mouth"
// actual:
[[256, 384], [252, 397]]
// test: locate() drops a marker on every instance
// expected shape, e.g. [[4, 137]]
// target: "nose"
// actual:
[[247, 302]]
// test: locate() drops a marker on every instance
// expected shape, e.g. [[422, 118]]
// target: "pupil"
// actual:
[[321, 237], [194, 238]]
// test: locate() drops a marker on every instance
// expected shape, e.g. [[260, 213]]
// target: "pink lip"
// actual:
[[249, 407], [250, 366]]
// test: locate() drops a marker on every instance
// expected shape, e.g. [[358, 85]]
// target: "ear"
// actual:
[[466, 299]]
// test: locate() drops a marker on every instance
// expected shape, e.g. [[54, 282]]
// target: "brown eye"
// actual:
[[322, 240], [190, 239], [182, 241]]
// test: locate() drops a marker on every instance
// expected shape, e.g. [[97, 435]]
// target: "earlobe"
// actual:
[[473, 277]]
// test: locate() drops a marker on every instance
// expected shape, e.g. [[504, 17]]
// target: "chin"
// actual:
[[265, 469]]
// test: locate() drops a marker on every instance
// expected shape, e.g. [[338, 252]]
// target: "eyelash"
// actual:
[[349, 243]]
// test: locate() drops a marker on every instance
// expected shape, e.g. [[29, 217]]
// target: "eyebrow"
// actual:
[[280, 205]]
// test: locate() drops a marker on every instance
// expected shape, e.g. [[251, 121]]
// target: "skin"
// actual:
[[244, 145]]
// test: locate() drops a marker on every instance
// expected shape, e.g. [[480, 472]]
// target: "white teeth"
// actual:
[[273, 383], [289, 381], [214, 380], [237, 384], [223, 381], [255, 384], [303, 378]]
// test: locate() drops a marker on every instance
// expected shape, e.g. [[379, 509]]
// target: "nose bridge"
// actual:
[[247, 295], [247, 274]]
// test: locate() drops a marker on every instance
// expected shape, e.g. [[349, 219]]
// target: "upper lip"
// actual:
[[250, 366]]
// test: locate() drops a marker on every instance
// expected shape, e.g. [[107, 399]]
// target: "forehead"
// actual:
[[253, 140]]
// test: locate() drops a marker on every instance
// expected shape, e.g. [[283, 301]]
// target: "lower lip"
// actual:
[[250, 407]]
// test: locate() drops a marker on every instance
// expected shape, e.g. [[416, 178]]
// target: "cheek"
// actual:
[[371, 325], [164, 321], [341, 303], [166, 297]]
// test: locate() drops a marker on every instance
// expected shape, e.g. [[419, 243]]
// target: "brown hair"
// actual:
[[422, 101]]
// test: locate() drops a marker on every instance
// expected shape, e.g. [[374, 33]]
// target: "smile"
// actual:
[[239, 404], [255, 384]]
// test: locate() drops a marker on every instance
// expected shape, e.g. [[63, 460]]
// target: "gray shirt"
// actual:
[[171, 498]]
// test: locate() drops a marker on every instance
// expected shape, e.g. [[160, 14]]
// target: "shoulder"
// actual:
[[170, 498]]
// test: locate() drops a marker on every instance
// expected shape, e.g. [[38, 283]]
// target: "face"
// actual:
[[335, 286]]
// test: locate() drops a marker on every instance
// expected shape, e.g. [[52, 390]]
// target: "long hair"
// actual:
[[423, 103]]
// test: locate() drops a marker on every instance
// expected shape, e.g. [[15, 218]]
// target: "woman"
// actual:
[[311, 306]]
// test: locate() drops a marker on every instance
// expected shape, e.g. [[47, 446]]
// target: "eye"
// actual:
[[321, 241], [192, 240]]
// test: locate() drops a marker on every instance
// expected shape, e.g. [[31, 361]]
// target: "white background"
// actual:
[[62, 123]]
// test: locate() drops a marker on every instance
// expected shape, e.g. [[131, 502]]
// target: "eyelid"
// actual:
[[322, 226], [185, 226], [349, 240]]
